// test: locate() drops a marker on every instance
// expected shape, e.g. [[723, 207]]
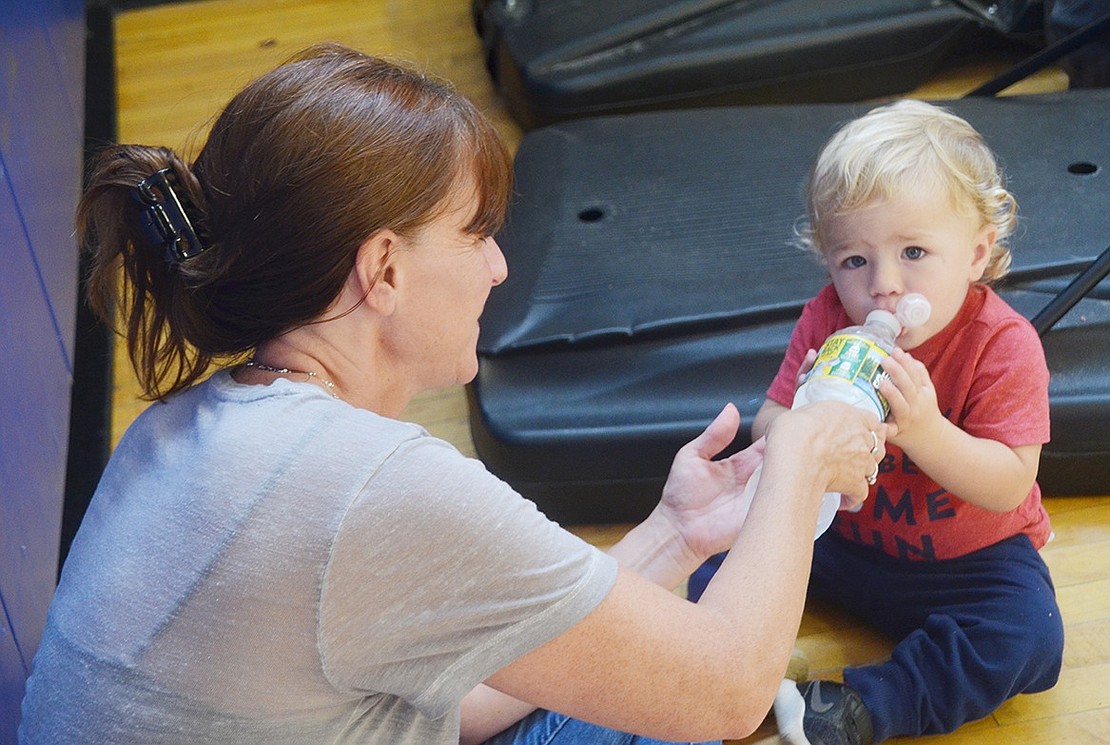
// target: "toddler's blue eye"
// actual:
[[854, 262], [914, 252]]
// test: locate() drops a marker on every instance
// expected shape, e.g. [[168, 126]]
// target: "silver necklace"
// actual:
[[311, 375]]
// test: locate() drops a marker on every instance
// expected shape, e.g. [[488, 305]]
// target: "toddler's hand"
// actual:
[[913, 399], [805, 367]]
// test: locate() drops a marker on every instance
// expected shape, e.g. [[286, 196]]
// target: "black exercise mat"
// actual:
[[651, 280], [554, 60]]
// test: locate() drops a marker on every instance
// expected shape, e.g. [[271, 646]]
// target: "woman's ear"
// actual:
[[375, 272]]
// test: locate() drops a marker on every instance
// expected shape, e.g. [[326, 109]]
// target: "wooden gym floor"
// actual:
[[178, 63]]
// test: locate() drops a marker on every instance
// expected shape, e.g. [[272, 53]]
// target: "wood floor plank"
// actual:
[[1078, 564], [1085, 643], [1082, 728], [1078, 518], [1080, 689]]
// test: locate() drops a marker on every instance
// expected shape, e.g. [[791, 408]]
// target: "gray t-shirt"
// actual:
[[269, 564]]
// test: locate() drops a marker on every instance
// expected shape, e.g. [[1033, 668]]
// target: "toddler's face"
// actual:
[[913, 242]]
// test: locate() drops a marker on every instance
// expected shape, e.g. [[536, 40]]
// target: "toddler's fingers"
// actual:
[[806, 366]]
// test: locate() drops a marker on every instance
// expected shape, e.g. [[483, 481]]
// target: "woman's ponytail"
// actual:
[[142, 218]]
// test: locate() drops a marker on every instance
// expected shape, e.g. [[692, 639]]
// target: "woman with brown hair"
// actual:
[[271, 556]]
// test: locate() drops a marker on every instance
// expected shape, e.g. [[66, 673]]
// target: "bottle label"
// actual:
[[854, 360]]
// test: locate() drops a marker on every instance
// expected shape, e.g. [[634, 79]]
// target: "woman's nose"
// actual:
[[499, 269]]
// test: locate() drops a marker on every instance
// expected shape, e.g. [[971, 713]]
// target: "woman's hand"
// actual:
[[825, 446], [702, 496], [846, 445]]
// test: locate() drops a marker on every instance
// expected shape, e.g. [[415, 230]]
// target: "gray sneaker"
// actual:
[[821, 712]]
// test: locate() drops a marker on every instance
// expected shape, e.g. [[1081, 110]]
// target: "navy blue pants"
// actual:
[[975, 631]]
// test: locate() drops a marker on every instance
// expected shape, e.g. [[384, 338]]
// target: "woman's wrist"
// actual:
[[657, 550], [789, 436]]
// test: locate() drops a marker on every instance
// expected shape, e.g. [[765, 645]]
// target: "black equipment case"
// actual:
[[650, 281], [554, 60]]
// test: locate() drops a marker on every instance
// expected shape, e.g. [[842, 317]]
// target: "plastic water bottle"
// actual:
[[848, 368]]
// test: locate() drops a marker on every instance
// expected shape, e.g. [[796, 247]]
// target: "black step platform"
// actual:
[[651, 280], [554, 60]]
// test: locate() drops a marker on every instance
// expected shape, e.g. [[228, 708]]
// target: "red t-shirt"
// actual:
[[991, 378]]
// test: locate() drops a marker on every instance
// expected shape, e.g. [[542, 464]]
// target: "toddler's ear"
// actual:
[[981, 252]]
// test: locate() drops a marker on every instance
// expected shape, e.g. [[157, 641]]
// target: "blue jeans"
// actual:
[[548, 728]]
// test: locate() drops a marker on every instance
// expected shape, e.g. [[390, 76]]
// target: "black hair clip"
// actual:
[[164, 218]]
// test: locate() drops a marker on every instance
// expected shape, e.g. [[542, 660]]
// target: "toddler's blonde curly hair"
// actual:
[[905, 144]]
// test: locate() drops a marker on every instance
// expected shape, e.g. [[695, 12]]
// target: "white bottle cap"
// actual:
[[885, 318], [913, 310]]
